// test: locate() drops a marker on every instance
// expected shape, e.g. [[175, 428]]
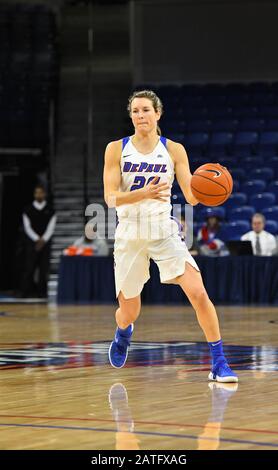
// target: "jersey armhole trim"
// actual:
[[125, 141], [164, 141]]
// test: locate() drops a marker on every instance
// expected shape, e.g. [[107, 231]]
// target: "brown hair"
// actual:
[[150, 95]]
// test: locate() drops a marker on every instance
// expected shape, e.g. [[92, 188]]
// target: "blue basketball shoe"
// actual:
[[221, 372], [118, 350]]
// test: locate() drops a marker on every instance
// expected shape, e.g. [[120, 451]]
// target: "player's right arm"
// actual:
[[112, 181]]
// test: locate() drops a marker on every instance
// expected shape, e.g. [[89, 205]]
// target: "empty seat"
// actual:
[[236, 186], [252, 124], [178, 198], [227, 161], [224, 125], [254, 186], [196, 139], [199, 125], [222, 139], [264, 173], [245, 139], [241, 213], [271, 226], [262, 201], [273, 163], [271, 124], [249, 163], [271, 213], [238, 173], [218, 211], [236, 200], [273, 188], [268, 142], [235, 229]]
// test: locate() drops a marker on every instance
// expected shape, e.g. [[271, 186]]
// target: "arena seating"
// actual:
[[28, 74], [235, 125]]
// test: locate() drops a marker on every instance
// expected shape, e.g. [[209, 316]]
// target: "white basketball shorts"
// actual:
[[132, 254]]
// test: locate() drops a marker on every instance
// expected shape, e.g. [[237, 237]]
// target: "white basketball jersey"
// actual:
[[137, 170]]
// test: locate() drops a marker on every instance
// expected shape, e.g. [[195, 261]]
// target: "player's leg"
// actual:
[[126, 314], [192, 284], [131, 273], [128, 311]]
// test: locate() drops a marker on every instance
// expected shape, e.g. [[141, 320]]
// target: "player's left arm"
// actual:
[[182, 170]]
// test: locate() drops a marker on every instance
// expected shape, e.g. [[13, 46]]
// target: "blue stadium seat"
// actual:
[[229, 162], [237, 100], [223, 139], [236, 186], [249, 163], [241, 213], [268, 111], [218, 211], [224, 125], [238, 173], [273, 163], [262, 201], [177, 137], [178, 198], [264, 173], [271, 213], [273, 188], [239, 112], [195, 162], [268, 142], [234, 230], [271, 124], [196, 139], [196, 227], [245, 139], [252, 124], [271, 226], [236, 200], [199, 125], [254, 186]]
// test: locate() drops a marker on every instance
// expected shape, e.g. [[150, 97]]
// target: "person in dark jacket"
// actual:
[[39, 222]]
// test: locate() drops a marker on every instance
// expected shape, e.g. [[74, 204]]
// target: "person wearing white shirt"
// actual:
[[39, 222], [263, 243]]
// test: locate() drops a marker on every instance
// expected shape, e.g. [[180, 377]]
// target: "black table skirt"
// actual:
[[228, 280]]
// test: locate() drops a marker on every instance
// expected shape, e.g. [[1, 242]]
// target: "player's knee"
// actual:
[[199, 296]]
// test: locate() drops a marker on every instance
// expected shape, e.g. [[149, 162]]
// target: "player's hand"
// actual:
[[155, 190]]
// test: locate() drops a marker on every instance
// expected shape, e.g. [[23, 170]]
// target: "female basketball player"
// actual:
[[138, 175]]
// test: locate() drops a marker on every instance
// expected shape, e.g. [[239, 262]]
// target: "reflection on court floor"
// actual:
[[58, 390], [195, 354]]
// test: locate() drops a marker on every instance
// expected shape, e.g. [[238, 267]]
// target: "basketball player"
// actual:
[[138, 176]]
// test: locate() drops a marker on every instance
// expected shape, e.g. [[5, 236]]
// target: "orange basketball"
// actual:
[[211, 184]]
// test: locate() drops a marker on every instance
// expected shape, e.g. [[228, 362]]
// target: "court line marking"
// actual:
[[155, 423], [146, 433]]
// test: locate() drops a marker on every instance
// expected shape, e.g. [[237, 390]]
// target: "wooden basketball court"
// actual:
[[58, 390]]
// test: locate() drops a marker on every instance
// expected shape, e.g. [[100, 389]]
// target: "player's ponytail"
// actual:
[[150, 95]]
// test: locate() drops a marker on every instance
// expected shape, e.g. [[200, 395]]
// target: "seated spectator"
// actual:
[[87, 247], [209, 238], [263, 243]]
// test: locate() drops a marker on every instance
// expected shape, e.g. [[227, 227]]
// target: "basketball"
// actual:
[[211, 184]]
